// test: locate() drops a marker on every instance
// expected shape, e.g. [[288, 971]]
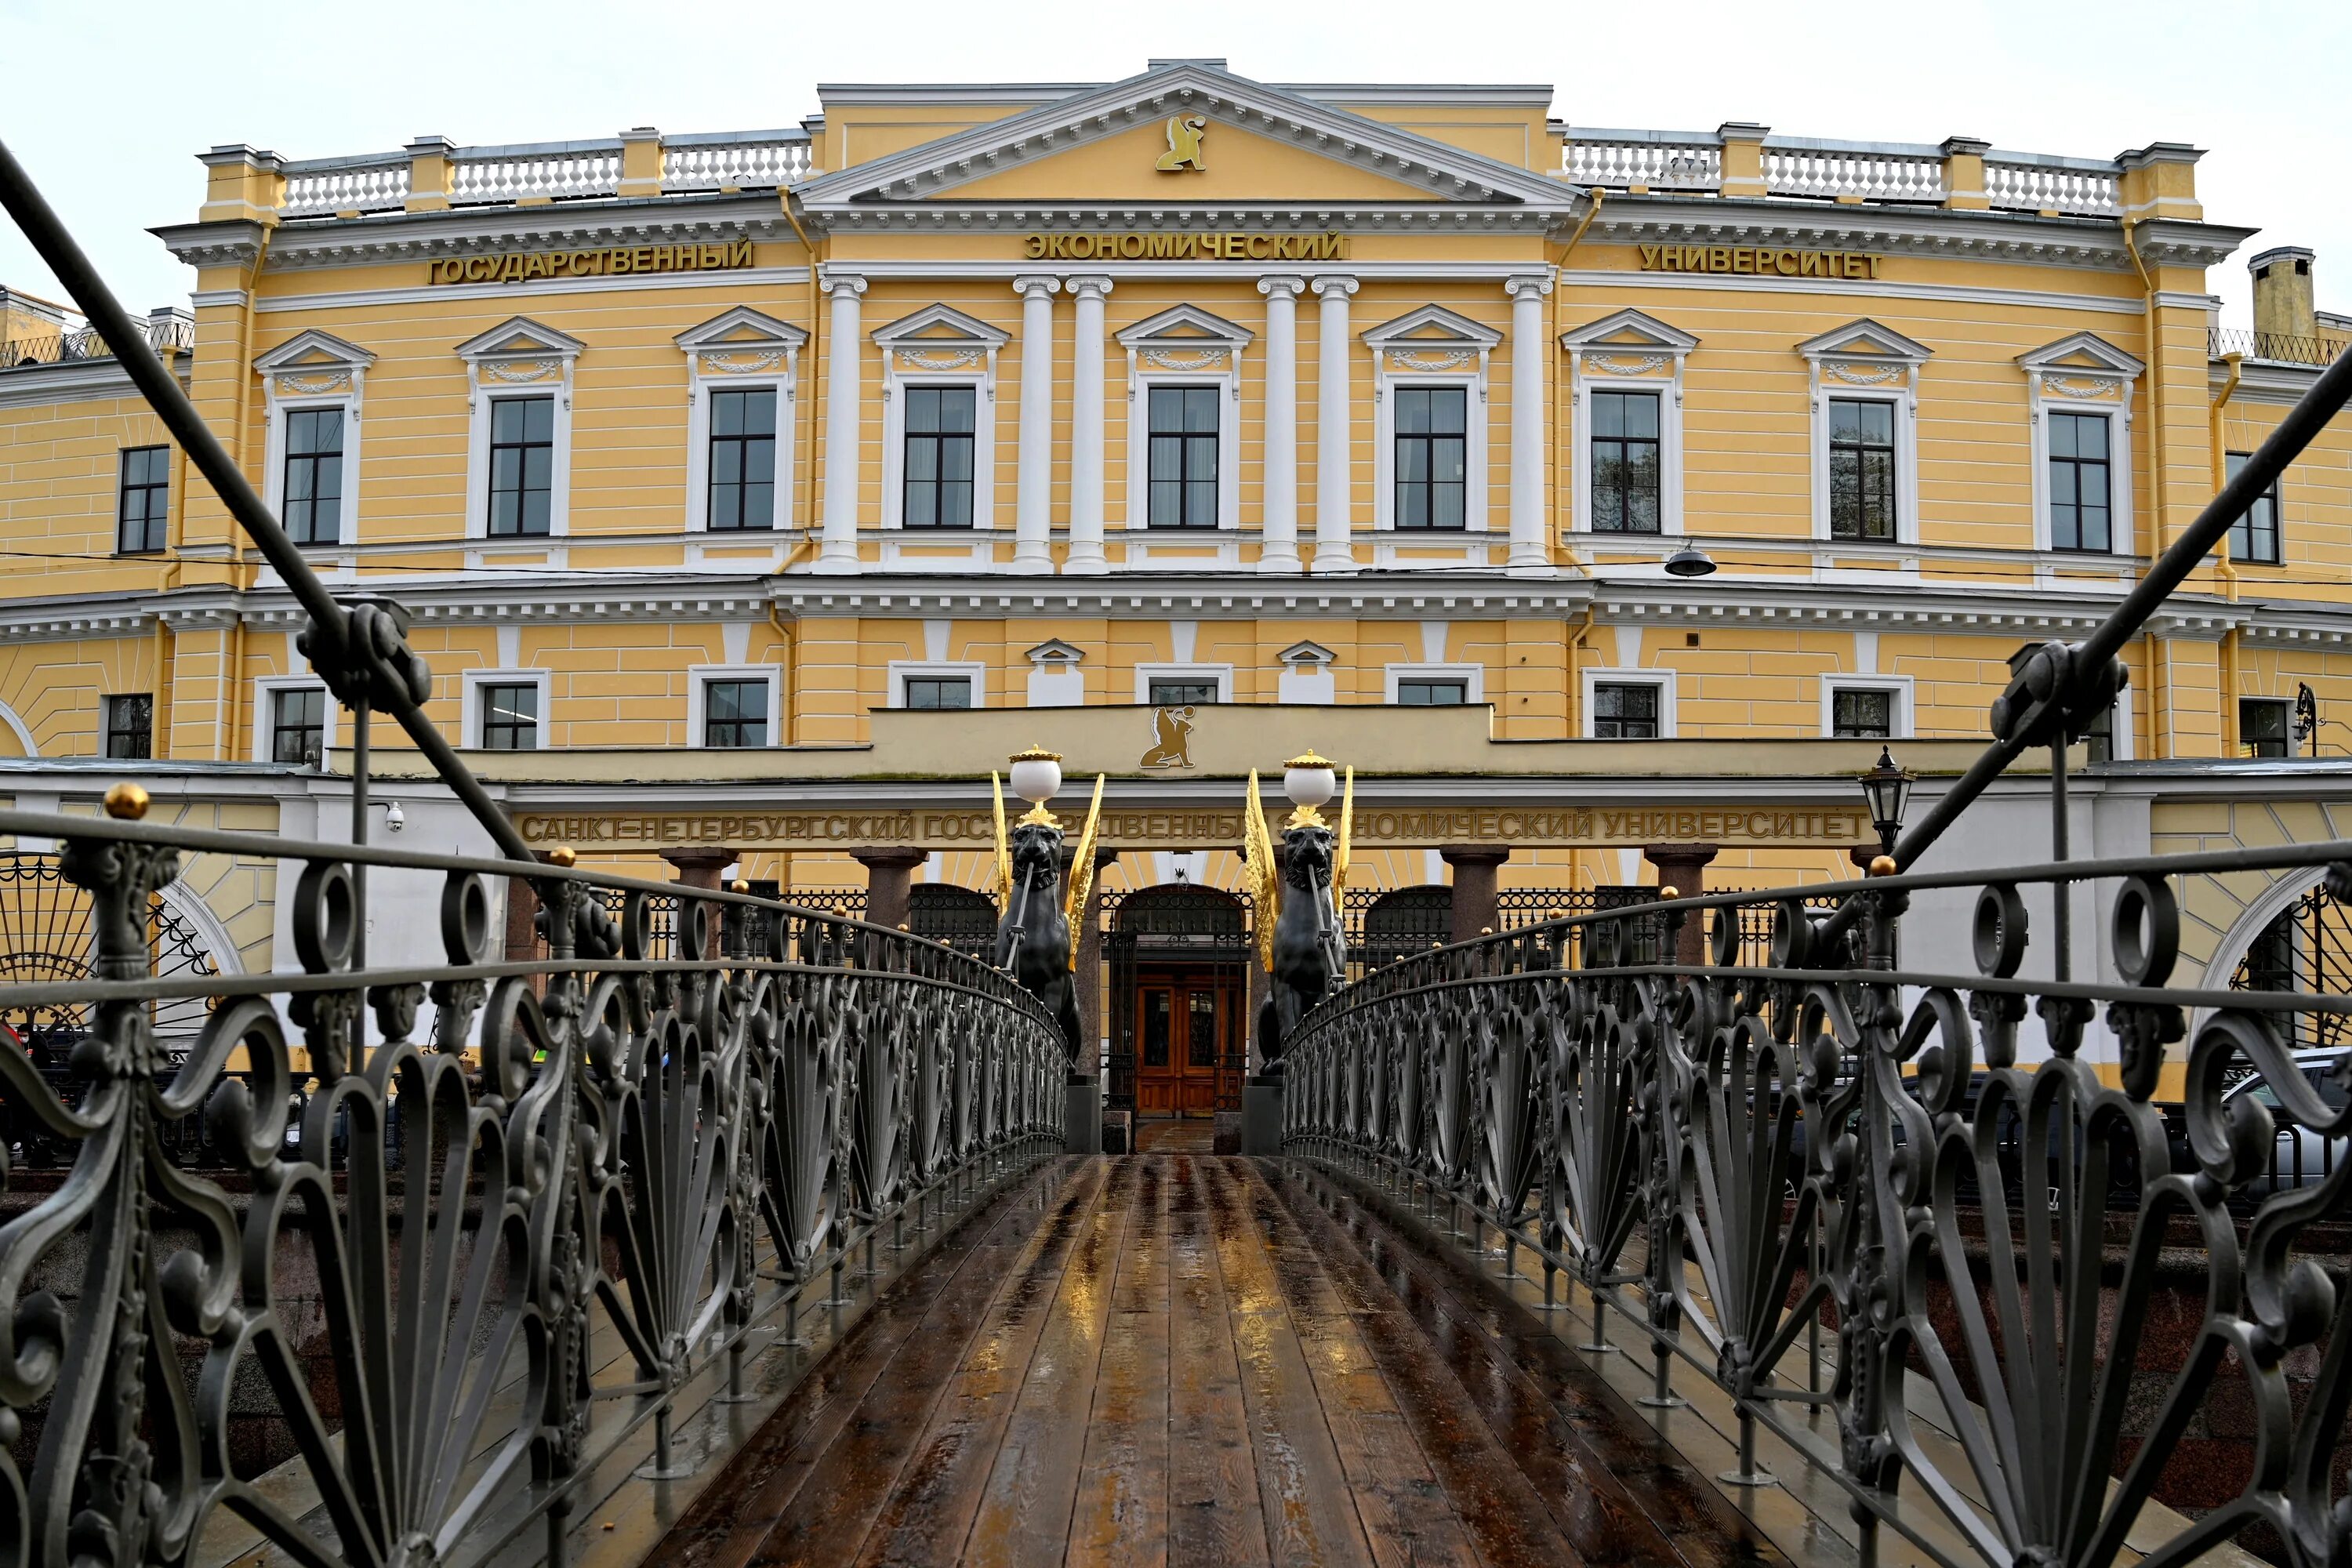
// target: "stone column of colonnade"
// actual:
[[1335, 545], [843, 417], [1033, 487], [1085, 557], [1278, 532], [1530, 522]]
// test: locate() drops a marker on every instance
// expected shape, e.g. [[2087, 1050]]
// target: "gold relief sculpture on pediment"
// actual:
[[1184, 134]]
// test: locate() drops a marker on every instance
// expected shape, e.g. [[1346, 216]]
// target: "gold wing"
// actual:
[[1082, 873], [1257, 851], [1003, 878], [1347, 829]]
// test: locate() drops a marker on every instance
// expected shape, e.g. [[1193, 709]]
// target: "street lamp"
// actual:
[[1690, 561], [1887, 788]]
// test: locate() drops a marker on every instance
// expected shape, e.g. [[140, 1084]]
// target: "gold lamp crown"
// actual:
[[1035, 753], [1307, 759]]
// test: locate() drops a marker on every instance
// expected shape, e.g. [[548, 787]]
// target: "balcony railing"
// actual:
[[1812, 169], [166, 334], [2283, 348], [526, 172]]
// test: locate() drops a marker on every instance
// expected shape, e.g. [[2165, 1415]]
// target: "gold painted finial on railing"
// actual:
[[127, 802], [564, 855]]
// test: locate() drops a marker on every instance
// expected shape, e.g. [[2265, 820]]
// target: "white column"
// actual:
[[1278, 541], [1335, 447], [1085, 556], [1531, 546], [845, 423], [1032, 485]]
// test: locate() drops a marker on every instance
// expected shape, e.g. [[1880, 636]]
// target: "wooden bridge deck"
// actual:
[[1177, 1357]]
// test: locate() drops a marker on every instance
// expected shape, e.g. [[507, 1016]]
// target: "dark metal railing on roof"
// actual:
[[2286, 348]]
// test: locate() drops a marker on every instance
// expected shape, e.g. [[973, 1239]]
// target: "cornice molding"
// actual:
[[23, 386], [2096, 244], [387, 238]]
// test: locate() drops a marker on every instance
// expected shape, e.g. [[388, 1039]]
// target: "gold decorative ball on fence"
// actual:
[[1670, 892], [564, 855], [1883, 866], [127, 802], [740, 886]]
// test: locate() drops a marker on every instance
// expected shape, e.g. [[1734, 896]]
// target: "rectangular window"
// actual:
[[130, 725], [735, 713], [1183, 457], [939, 692], [297, 725], [2099, 740], [1862, 468], [1432, 693], [1625, 462], [1433, 455], [510, 716], [1862, 713], [141, 499], [742, 459], [1181, 693], [314, 475], [938, 456], [522, 465], [2263, 727], [2254, 538], [1627, 711], [2079, 518]]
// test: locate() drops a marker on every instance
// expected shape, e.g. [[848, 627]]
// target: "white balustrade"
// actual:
[[557, 169], [760, 160], [1656, 159], [347, 184], [2029, 182], [1867, 171]]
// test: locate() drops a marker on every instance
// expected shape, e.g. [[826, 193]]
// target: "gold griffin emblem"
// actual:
[[1184, 133], [1171, 739]]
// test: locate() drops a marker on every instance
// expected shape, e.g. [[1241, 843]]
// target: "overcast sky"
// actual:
[[106, 100]]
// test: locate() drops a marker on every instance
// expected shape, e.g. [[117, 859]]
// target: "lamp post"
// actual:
[[1887, 788], [1690, 561]]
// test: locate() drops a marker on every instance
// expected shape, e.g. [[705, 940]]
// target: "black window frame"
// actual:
[[1188, 487], [1431, 444], [729, 457], [2248, 533], [1617, 453], [1416, 690], [2251, 745], [496, 732], [2077, 469], [1856, 525], [313, 516], [302, 753], [1178, 691], [744, 732], [2099, 740], [938, 488], [151, 490], [1841, 729], [130, 740], [1615, 726], [930, 688], [522, 490]]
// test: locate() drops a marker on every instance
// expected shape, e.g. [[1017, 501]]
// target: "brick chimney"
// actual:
[[2286, 326]]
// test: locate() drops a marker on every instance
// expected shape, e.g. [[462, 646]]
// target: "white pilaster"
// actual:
[[1530, 548], [1335, 447], [844, 415], [1085, 556], [1278, 541], [1033, 489]]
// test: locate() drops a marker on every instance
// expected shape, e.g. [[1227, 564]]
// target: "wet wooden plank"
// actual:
[[1024, 1513], [1120, 1519], [1311, 1514], [1214, 1514]]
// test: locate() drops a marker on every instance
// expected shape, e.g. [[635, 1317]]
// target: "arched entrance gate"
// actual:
[[1180, 994]]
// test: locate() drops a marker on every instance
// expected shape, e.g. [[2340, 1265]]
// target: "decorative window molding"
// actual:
[[1145, 673], [1308, 676], [264, 711], [1055, 679], [1664, 680], [1184, 346], [1629, 351], [1472, 677], [1865, 361], [313, 370], [519, 357], [939, 346], [2084, 374], [1430, 346], [700, 676], [740, 349], [473, 680], [1899, 716], [973, 670]]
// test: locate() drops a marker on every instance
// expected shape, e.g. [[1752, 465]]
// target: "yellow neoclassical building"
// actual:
[[754, 492]]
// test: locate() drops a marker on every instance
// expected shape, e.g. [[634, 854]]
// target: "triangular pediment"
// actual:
[[1186, 324], [314, 349], [941, 324], [2083, 352], [742, 327], [1246, 142], [1306, 652], [1431, 324], [1054, 650], [519, 336], [1864, 339], [1630, 328]]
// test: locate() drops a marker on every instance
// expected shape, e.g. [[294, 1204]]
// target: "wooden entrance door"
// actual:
[[1187, 1021]]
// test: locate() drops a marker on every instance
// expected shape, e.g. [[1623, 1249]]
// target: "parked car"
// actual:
[[2302, 1156]]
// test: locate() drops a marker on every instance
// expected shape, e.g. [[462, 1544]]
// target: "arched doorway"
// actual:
[[1402, 921], [964, 918], [1179, 963]]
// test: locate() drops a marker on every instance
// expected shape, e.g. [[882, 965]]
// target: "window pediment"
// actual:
[[1053, 652], [1864, 341], [314, 349], [742, 329], [942, 324], [1186, 326], [2083, 352], [1630, 332], [520, 337]]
